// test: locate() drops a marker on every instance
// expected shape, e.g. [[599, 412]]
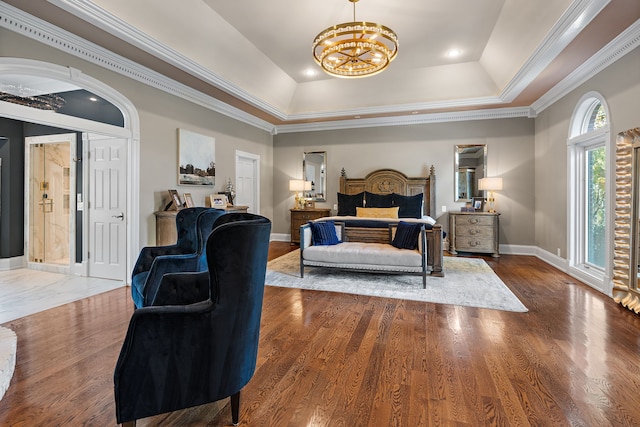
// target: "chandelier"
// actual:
[[355, 49], [30, 97]]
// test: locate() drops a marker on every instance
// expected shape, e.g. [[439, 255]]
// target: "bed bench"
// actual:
[[374, 253]]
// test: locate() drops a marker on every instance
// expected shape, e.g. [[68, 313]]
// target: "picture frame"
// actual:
[[229, 197], [218, 200], [196, 158], [175, 200], [478, 203], [309, 204], [188, 200]]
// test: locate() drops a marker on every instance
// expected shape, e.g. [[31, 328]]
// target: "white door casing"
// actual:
[[107, 251]]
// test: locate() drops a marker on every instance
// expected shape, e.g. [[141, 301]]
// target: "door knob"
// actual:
[[120, 216]]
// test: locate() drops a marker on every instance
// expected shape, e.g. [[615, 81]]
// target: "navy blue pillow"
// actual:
[[378, 200], [407, 235], [409, 206], [347, 203], [323, 233]]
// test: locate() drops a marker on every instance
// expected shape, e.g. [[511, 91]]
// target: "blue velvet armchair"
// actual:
[[178, 356], [187, 242], [144, 284]]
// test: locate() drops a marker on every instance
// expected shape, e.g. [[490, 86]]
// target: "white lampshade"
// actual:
[[490, 184], [297, 185]]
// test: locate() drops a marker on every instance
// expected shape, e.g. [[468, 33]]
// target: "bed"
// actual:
[[414, 199]]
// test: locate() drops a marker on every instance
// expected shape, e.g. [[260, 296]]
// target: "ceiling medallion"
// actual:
[[355, 49]]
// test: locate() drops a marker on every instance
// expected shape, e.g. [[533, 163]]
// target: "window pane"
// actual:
[[597, 118], [595, 209]]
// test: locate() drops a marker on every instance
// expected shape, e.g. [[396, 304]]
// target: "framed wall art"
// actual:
[[196, 158]]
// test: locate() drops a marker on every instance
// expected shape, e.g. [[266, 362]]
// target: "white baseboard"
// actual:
[[280, 237], [13, 263]]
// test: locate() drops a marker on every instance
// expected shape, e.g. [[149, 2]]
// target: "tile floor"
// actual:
[[24, 292]]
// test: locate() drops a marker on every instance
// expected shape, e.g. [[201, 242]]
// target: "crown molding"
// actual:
[[90, 12], [29, 26], [626, 42], [414, 119], [406, 108], [570, 24]]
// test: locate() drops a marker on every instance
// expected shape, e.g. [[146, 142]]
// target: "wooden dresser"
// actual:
[[166, 233], [474, 232], [302, 216]]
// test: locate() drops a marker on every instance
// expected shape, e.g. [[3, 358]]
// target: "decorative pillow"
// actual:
[[323, 233], [378, 200], [406, 235], [347, 203], [410, 206], [377, 212]]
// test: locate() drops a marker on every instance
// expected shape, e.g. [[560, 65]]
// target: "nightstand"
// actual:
[[302, 216], [474, 232]]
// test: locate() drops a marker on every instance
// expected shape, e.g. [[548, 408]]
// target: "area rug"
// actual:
[[468, 282]]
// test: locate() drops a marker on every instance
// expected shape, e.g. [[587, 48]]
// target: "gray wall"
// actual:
[[412, 150], [619, 84]]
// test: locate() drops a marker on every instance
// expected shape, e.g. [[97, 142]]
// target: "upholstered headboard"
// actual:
[[387, 181]]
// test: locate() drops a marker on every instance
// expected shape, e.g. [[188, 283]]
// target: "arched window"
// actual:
[[589, 153]]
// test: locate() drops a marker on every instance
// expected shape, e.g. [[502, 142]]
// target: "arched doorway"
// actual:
[[10, 68]]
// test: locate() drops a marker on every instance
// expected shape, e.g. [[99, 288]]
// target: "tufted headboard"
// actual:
[[387, 181]]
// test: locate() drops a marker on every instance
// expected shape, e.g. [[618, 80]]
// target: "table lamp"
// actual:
[[490, 184], [298, 186]]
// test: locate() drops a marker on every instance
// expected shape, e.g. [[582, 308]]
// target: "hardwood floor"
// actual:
[[330, 359]]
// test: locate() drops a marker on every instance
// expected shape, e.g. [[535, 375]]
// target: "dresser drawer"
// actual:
[[486, 221], [475, 244], [474, 231]]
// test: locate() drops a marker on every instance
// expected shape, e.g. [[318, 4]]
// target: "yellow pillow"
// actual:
[[377, 212]]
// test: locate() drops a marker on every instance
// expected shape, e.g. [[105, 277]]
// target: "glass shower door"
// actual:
[[49, 204]]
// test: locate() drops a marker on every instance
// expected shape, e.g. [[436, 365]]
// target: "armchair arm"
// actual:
[[149, 253], [158, 340], [167, 264], [182, 289], [167, 354]]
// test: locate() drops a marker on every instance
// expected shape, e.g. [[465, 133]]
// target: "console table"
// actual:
[[474, 232], [166, 233]]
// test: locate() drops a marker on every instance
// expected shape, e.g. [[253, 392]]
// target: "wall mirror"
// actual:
[[314, 168], [470, 166]]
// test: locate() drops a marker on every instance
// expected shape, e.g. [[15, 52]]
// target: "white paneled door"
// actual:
[[107, 246], [247, 181]]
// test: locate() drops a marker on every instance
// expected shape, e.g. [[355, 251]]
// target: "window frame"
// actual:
[[580, 140]]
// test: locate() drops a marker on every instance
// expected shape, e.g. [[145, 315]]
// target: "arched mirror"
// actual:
[[314, 169], [470, 166], [626, 286]]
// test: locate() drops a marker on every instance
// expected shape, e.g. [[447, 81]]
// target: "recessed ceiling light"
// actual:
[[93, 98], [310, 72], [454, 53]]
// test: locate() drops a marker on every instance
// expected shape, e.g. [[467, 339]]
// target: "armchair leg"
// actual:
[[129, 424], [235, 408]]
